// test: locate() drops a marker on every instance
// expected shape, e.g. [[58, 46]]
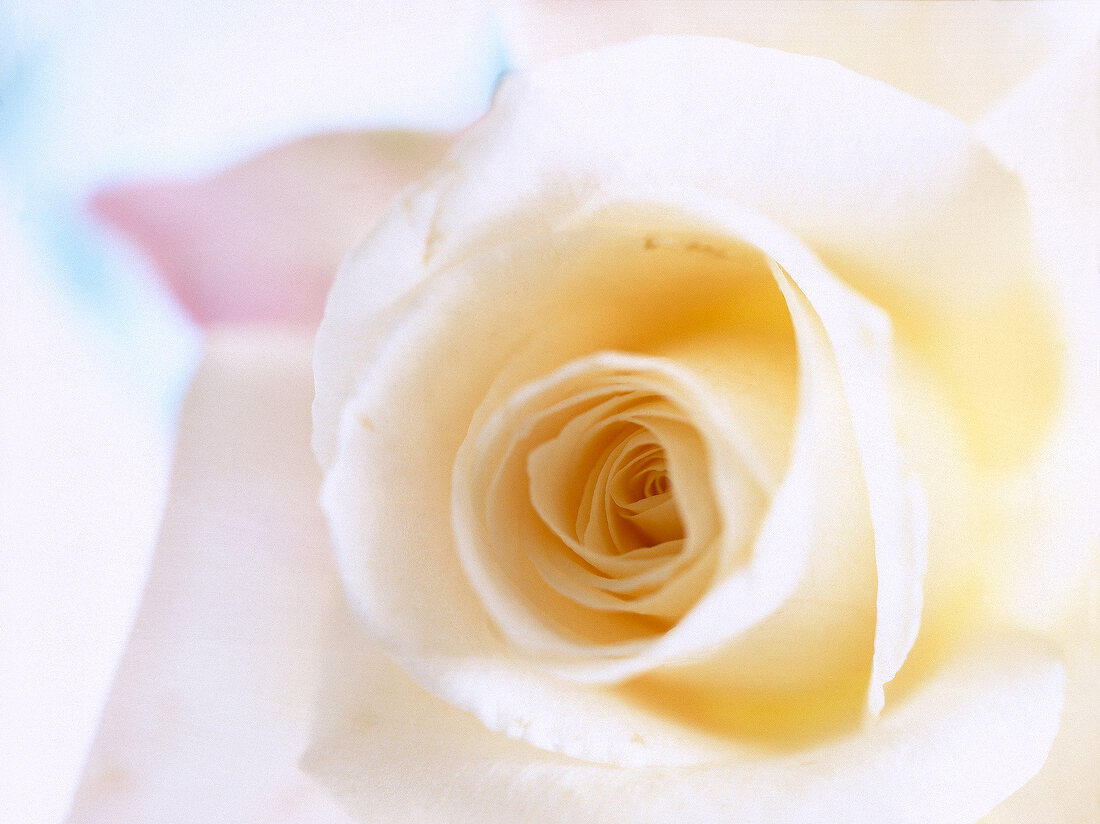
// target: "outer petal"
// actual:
[[1047, 130], [976, 731], [891, 193], [212, 702], [259, 243], [836, 327], [387, 494], [1067, 788], [958, 55], [860, 345]]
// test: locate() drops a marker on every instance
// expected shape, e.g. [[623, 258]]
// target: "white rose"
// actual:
[[212, 703], [672, 429]]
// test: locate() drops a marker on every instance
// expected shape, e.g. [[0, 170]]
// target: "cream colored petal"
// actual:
[[213, 700], [722, 508], [836, 328], [1066, 786], [394, 442], [939, 186], [388, 266], [890, 192], [396, 548], [892, 188], [1047, 131], [859, 337], [958, 55], [976, 730], [395, 439]]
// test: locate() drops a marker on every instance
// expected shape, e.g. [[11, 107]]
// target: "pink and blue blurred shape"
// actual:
[[165, 167]]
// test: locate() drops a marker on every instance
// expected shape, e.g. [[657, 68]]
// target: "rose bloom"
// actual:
[[704, 438]]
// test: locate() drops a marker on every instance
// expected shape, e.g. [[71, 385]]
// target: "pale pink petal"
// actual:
[[212, 702], [260, 243]]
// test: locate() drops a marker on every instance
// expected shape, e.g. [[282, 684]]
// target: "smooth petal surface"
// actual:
[[961, 56], [1047, 130], [892, 194], [212, 702], [1067, 785], [386, 494], [978, 729], [900, 224], [406, 448], [839, 331]]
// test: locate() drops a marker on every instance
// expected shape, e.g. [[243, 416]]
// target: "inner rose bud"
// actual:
[[586, 515], [668, 462]]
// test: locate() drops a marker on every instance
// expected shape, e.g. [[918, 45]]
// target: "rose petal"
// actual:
[[394, 442], [838, 329], [896, 216], [212, 702], [403, 445], [959, 56], [260, 243], [860, 344], [976, 731], [1046, 130], [901, 224], [1066, 784], [891, 193], [888, 198], [857, 183]]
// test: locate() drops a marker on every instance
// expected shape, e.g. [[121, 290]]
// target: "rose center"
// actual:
[[643, 502], [601, 485], [586, 515]]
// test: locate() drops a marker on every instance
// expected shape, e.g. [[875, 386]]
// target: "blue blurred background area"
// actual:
[[98, 95]]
